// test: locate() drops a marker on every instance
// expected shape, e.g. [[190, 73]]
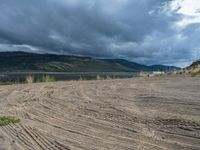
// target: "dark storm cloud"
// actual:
[[142, 31]]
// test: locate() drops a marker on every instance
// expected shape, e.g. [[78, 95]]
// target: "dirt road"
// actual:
[[142, 113]]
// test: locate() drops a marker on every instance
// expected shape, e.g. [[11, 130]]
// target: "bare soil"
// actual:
[[142, 113]]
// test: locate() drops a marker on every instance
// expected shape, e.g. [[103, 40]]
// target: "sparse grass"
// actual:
[[158, 73], [109, 77], [48, 78], [113, 77], [104, 104], [151, 74], [30, 79], [192, 72], [98, 77], [6, 120], [143, 74], [179, 72], [81, 78], [195, 72]]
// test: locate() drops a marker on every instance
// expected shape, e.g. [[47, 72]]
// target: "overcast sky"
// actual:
[[144, 31]]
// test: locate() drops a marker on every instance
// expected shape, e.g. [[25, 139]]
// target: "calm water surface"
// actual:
[[20, 77]]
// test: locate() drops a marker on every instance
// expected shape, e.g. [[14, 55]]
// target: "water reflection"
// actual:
[[60, 76]]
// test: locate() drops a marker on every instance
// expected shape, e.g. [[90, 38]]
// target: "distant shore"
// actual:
[[20, 77]]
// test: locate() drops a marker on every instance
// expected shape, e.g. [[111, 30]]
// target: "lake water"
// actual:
[[20, 77]]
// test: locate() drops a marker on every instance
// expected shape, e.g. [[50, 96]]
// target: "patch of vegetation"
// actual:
[[151, 74], [181, 72], [158, 73], [6, 120], [108, 77], [45, 78], [143, 74], [81, 78], [195, 72], [98, 77], [48, 78], [30, 79]]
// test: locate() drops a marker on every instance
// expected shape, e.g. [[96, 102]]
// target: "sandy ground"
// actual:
[[141, 113]]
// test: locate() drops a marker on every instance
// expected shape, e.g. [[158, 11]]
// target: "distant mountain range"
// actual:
[[23, 61]]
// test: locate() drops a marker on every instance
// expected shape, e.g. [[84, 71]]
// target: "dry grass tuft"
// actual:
[[195, 72], [30, 79], [98, 77], [48, 78]]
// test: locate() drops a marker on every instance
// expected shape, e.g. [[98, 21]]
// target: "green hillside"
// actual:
[[22, 61]]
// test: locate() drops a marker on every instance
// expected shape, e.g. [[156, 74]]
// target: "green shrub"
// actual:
[[6, 120]]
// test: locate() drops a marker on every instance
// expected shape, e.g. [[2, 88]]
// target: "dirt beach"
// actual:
[[142, 113]]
